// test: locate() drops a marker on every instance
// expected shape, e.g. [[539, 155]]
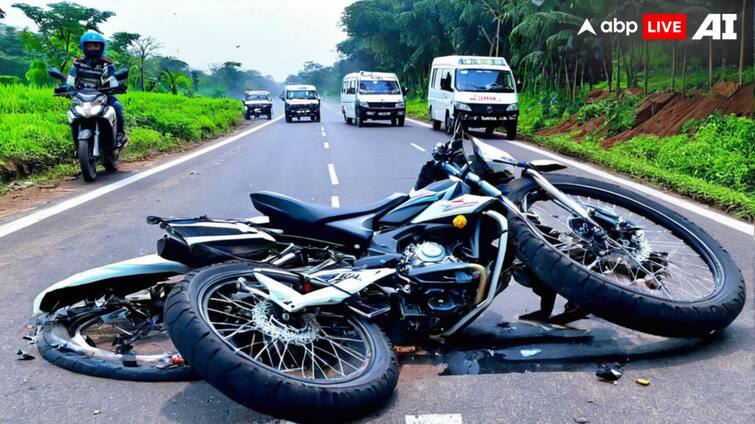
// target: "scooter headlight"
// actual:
[[79, 110], [96, 109]]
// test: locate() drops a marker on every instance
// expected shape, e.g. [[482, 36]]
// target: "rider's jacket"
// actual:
[[89, 73]]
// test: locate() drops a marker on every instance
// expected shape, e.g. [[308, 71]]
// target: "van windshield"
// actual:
[[301, 94], [488, 80], [378, 87], [256, 97]]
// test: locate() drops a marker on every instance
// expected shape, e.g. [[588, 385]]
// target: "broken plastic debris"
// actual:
[[177, 359], [529, 352], [581, 420], [642, 381], [610, 372], [23, 356], [96, 412]]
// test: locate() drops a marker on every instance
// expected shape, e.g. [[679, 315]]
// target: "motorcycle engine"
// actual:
[[427, 252], [443, 287]]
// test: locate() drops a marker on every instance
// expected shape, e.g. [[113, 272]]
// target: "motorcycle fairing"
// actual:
[[119, 278]]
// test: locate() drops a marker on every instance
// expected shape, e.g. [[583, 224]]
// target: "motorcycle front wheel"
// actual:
[[648, 268], [87, 162], [324, 364]]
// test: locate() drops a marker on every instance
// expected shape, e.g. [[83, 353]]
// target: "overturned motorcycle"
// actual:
[[299, 307]]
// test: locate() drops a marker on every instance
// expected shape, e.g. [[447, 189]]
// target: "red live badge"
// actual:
[[664, 26]]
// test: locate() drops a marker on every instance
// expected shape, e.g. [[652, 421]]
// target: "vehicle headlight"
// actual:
[[363, 103], [462, 106], [79, 110], [400, 103], [512, 107]]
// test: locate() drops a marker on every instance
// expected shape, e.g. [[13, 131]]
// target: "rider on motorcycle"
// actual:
[[87, 72]]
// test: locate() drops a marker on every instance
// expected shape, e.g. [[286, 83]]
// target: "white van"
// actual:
[[372, 95], [300, 101], [257, 103], [478, 90]]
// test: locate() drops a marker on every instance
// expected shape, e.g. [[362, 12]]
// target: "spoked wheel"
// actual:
[[123, 340], [645, 267], [323, 361]]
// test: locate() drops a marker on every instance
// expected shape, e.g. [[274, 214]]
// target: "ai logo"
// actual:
[[711, 27]]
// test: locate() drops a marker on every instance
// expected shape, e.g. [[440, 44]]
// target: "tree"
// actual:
[[143, 48], [37, 74], [60, 27], [172, 81]]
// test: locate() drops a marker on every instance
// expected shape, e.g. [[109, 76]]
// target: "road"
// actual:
[[332, 163]]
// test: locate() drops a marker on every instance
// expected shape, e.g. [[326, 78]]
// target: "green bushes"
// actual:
[[34, 133], [619, 114]]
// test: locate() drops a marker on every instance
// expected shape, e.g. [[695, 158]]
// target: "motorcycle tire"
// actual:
[[627, 305], [87, 162], [246, 379], [60, 342]]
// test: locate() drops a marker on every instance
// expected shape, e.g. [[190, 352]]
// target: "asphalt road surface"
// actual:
[[332, 163]]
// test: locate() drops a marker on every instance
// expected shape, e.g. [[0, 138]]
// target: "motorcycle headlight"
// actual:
[[463, 106], [512, 107], [400, 103], [96, 109], [79, 110]]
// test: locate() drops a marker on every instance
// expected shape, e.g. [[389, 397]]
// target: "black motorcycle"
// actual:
[[299, 307]]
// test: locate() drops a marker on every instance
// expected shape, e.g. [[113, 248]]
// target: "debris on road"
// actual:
[[642, 381], [530, 352], [581, 420], [96, 412], [610, 373], [23, 356]]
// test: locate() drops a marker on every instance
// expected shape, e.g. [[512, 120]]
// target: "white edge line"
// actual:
[[418, 147], [332, 172], [33, 218], [335, 202], [676, 201], [323, 134]]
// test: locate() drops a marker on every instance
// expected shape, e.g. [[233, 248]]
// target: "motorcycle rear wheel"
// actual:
[[676, 281]]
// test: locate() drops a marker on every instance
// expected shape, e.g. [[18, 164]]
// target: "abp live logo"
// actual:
[[670, 26]]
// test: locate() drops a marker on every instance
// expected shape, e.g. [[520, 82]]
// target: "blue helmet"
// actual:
[[93, 44]]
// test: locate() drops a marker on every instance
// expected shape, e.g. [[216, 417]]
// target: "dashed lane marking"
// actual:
[[332, 172], [335, 202], [421, 149]]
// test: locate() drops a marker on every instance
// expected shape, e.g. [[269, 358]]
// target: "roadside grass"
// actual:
[[35, 140]]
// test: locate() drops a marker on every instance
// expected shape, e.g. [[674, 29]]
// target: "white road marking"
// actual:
[[418, 147], [322, 128], [676, 201], [334, 202], [332, 172], [433, 419], [323, 134], [33, 218], [326, 145]]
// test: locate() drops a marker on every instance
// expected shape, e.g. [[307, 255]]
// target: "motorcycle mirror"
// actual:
[[121, 74], [55, 73]]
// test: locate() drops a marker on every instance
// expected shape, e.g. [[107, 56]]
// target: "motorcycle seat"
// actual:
[[275, 205], [347, 226]]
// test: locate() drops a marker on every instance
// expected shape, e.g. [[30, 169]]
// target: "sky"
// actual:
[[274, 36]]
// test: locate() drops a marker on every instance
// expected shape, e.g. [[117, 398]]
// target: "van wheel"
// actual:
[[393, 122], [436, 124], [358, 119], [449, 124], [401, 121], [489, 130], [511, 131]]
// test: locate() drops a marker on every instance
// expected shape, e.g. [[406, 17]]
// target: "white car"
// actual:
[[374, 96], [257, 103], [300, 101], [481, 91]]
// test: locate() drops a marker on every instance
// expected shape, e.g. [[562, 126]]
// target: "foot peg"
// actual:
[[572, 311]]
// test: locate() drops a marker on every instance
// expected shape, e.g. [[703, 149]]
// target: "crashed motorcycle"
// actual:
[[93, 123], [300, 306]]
